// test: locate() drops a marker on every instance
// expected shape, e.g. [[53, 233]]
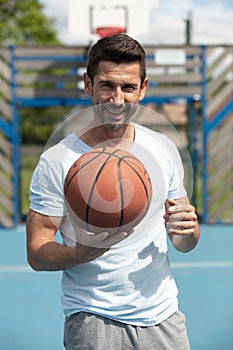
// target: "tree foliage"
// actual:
[[38, 123], [23, 22]]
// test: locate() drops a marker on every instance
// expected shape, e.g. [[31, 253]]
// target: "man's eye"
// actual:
[[129, 88], [106, 86]]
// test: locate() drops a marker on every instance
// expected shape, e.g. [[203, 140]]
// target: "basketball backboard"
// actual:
[[131, 16]]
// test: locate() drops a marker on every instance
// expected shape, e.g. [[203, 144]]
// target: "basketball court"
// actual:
[[30, 301]]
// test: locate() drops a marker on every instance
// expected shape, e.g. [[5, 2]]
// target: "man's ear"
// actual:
[[87, 85], [143, 89]]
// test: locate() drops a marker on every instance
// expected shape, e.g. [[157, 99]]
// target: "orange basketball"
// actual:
[[107, 189]]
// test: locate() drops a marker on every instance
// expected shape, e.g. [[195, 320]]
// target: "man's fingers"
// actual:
[[101, 240], [169, 203], [179, 208], [116, 238], [180, 216], [180, 219]]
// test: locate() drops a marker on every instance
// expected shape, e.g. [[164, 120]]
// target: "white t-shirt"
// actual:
[[132, 282]]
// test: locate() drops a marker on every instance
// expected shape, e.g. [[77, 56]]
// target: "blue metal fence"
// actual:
[[48, 76]]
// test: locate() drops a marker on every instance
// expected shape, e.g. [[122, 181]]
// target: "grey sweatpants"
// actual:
[[86, 331]]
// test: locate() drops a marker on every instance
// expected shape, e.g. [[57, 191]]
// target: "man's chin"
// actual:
[[114, 126]]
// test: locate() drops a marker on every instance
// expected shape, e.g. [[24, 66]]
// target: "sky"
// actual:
[[212, 21]]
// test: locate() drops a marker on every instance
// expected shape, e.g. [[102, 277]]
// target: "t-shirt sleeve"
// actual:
[[46, 188], [169, 159], [176, 185]]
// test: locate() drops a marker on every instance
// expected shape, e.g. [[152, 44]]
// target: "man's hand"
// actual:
[[180, 218], [98, 240], [181, 223], [90, 245]]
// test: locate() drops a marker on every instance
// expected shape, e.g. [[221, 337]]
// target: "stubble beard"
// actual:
[[116, 125]]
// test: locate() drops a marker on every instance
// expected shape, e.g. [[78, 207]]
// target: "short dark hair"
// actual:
[[118, 48]]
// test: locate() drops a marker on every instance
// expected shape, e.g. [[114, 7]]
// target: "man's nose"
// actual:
[[117, 95]]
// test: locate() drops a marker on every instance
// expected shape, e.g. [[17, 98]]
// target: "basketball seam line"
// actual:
[[98, 154], [120, 160], [96, 178], [137, 173], [83, 166], [122, 195]]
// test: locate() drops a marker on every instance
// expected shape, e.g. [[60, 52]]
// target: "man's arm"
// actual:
[[181, 224], [45, 254]]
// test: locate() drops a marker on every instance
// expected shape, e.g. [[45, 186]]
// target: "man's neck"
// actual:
[[101, 136]]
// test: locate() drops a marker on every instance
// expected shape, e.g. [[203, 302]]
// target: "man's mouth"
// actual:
[[114, 110], [115, 115]]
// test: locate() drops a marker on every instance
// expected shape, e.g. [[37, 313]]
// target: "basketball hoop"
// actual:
[[109, 31]]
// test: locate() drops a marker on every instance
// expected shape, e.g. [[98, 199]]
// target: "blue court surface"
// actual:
[[31, 316]]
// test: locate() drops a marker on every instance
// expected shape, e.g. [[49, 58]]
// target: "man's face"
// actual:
[[116, 90]]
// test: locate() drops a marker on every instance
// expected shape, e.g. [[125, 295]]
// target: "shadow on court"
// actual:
[[30, 301]]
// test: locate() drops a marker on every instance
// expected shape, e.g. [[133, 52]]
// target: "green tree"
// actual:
[[23, 22]]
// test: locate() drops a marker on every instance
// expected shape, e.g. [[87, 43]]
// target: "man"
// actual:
[[118, 294]]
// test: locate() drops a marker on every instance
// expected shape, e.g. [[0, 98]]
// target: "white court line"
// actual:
[[15, 268], [202, 265], [174, 265], [20, 269]]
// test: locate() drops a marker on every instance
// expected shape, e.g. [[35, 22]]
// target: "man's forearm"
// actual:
[[45, 254], [52, 256], [185, 242]]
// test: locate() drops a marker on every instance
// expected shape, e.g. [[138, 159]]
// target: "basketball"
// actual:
[[107, 189]]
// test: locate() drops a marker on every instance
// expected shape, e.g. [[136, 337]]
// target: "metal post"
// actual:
[[204, 161], [192, 136], [16, 142], [188, 29]]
